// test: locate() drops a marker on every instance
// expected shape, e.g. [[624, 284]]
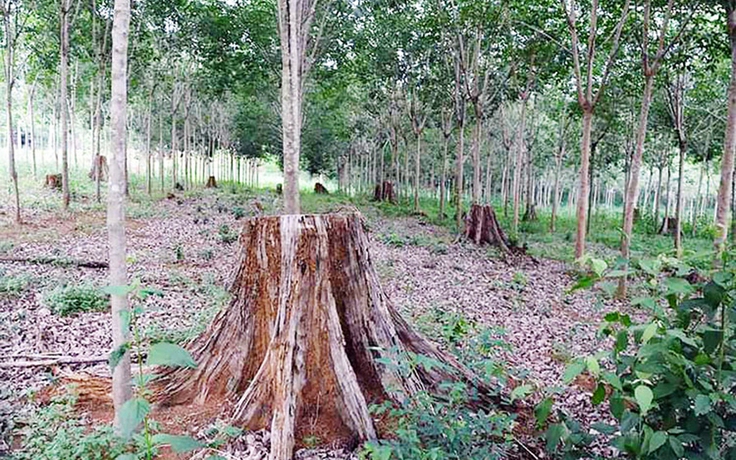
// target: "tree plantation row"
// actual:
[[615, 117]]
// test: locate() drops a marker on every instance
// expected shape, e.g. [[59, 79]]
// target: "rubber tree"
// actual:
[[120, 310], [650, 65], [723, 202], [585, 69]]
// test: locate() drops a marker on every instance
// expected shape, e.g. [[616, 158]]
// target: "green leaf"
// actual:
[[646, 302], [676, 446], [120, 291], [644, 398], [713, 294], [657, 440], [592, 364], [117, 355], [554, 435], [711, 339], [683, 338], [613, 380], [648, 333], [604, 428], [573, 369], [168, 354], [520, 392], [542, 411], [678, 286], [598, 266], [178, 444], [132, 414], [599, 395], [702, 405], [622, 340], [651, 266]]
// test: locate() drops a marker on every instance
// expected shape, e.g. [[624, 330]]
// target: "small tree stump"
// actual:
[[211, 182], [53, 181], [299, 349], [320, 189], [178, 187], [481, 227], [669, 226], [384, 192], [279, 189], [99, 166], [530, 215]]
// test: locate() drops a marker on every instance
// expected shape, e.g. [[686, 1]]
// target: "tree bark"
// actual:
[[582, 201], [9, 83], [519, 166], [632, 192], [121, 377], [729, 145], [301, 343], [63, 99]]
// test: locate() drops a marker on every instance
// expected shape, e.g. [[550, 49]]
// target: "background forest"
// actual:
[[376, 229]]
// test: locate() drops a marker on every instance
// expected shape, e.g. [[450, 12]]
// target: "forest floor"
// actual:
[[185, 249]]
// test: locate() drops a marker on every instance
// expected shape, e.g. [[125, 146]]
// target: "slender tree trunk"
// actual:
[[443, 176], [477, 129], [63, 71], [632, 193], [417, 170], [459, 173], [729, 145], [657, 198], [519, 166], [556, 195], [32, 117], [9, 82], [696, 200], [668, 202], [582, 202], [148, 142], [121, 377]]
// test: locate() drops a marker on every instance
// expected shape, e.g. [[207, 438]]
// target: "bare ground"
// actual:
[[176, 246]]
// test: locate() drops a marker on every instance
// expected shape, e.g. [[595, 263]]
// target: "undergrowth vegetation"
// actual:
[[72, 299]]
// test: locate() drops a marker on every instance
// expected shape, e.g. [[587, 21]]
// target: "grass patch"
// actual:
[[70, 300]]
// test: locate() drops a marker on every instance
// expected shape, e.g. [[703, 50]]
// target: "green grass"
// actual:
[[70, 300]]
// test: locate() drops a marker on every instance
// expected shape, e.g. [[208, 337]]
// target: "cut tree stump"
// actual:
[[53, 181], [320, 189], [302, 347], [481, 227], [669, 224], [530, 215], [211, 182], [99, 166], [384, 192]]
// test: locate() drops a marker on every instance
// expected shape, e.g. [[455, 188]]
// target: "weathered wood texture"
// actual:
[[299, 348]]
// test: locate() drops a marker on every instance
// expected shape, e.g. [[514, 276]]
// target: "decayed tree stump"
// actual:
[[53, 181], [320, 189], [99, 166], [297, 350], [668, 227], [481, 226], [211, 182], [530, 215], [384, 192]]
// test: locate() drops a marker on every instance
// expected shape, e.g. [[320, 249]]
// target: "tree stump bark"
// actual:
[[384, 192], [302, 347], [53, 181], [211, 182], [320, 189], [99, 166], [530, 215], [482, 227]]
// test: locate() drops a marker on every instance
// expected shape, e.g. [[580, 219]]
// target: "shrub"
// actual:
[[69, 300], [429, 427], [13, 285], [669, 381], [226, 235]]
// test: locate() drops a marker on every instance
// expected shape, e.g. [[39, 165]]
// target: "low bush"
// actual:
[[69, 300]]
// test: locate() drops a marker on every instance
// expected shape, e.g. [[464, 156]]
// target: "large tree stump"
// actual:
[[298, 349], [320, 189], [211, 182], [668, 227], [99, 166], [384, 192], [481, 227], [53, 181]]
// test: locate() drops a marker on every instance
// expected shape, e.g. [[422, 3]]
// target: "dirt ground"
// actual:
[[183, 248]]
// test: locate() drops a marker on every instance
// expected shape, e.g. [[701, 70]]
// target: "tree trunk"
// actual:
[[121, 377], [460, 159], [299, 348], [149, 188], [519, 166], [32, 119], [657, 198], [417, 171], [696, 200], [443, 176], [63, 70], [477, 128], [729, 145], [632, 192], [582, 201], [667, 205], [556, 195]]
